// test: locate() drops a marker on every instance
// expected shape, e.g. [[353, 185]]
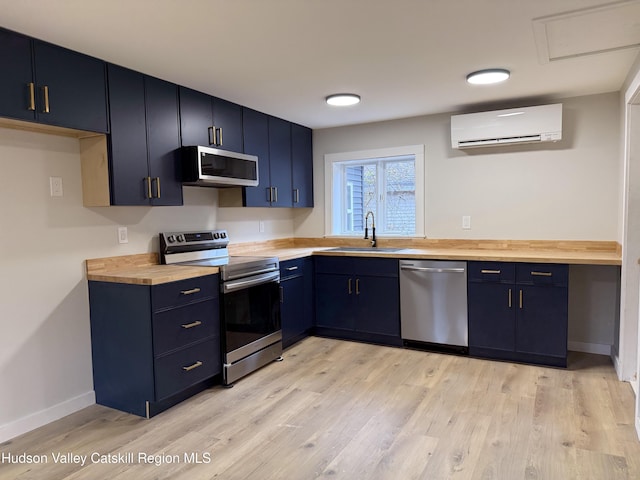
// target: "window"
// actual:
[[387, 182]]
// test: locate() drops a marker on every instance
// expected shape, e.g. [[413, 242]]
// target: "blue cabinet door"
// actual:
[[378, 305], [302, 166], [17, 75], [335, 301], [280, 162], [491, 316], [255, 129], [195, 118], [70, 88], [541, 320], [129, 170], [163, 141], [227, 119], [292, 309]]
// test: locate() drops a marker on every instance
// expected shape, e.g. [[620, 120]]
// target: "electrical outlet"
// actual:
[[466, 222], [261, 226], [55, 185], [123, 236]]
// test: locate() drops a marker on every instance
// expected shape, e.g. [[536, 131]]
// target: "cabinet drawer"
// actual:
[[491, 272], [339, 265], [376, 267], [175, 294], [186, 367], [292, 268], [178, 327], [542, 274]]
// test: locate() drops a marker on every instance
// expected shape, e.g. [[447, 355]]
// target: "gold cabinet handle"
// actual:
[[296, 195], [520, 299], [190, 292], [350, 291], [509, 298], [492, 272], [220, 142], [542, 274], [197, 323], [212, 135], [32, 97], [191, 367], [45, 90], [269, 194], [275, 189], [291, 269], [357, 286], [157, 187], [149, 193]]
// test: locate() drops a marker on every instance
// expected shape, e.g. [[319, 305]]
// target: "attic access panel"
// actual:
[[588, 31]]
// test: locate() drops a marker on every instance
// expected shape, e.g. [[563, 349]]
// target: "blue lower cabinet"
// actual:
[[296, 298], [358, 299], [518, 312], [148, 353]]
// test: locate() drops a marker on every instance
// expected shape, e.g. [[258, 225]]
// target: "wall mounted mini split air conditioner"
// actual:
[[507, 127]]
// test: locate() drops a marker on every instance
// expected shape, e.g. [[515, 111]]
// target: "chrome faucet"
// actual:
[[373, 228]]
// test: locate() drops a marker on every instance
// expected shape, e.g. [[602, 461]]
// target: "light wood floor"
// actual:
[[345, 410]]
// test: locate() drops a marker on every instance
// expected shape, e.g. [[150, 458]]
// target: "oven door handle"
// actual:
[[235, 285]]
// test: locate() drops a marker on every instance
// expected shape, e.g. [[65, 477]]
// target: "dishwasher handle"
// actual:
[[432, 269]]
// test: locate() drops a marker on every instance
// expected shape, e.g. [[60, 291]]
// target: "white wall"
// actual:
[[568, 190], [45, 350], [564, 191]]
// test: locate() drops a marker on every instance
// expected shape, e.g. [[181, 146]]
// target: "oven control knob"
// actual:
[[171, 239], [216, 236], [181, 238], [223, 234]]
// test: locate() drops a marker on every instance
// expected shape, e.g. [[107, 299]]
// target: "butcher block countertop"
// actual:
[[144, 269]]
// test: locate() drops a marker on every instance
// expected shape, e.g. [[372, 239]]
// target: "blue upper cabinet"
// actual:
[[280, 162], [144, 140], [285, 163], [210, 121], [17, 90], [302, 166], [227, 125], [48, 84], [255, 127]]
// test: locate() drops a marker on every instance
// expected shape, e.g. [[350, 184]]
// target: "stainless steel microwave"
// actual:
[[213, 167]]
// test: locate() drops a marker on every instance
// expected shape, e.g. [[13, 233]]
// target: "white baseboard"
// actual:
[[597, 348], [48, 415]]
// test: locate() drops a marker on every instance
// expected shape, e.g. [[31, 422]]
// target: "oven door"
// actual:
[[250, 315]]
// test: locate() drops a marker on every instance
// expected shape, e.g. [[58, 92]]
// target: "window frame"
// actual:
[[333, 192]]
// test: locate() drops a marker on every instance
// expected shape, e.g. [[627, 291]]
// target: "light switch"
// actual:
[[123, 236], [466, 222], [55, 185]]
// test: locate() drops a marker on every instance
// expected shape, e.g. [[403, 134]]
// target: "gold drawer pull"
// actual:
[[32, 97], [45, 91], [191, 367], [291, 269], [521, 299], [509, 298], [190, 292], [542, 274], [191, 325], [493, 272]]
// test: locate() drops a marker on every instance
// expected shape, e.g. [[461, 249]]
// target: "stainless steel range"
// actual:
[[250, 298]]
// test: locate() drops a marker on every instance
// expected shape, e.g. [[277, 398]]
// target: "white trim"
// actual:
[[416, 150], [48, 415], [595, 348], [638, 427]]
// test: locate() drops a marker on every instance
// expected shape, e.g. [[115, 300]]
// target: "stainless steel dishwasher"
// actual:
[[433, 303]]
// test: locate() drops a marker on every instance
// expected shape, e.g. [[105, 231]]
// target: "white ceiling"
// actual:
[[282, 57]]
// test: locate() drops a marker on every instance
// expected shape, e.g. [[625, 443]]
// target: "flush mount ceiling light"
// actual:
[[343, 99], [488, 76]]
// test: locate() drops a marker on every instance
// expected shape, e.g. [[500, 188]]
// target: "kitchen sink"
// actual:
[[365, 249]]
